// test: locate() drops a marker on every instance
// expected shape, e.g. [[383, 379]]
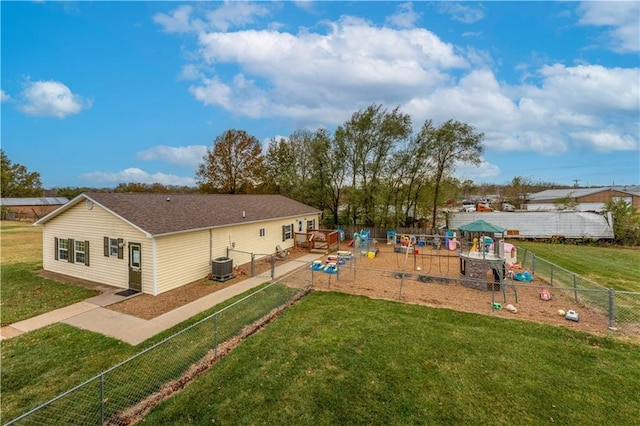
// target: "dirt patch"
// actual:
[[436, 283], [147, 307]]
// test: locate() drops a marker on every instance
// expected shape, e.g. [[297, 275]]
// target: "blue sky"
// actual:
[[99, 93]]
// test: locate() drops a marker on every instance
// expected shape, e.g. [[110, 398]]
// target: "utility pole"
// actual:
[[575, 183]]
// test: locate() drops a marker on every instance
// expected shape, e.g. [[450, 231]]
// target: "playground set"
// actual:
[[483, 262], [464, 262]]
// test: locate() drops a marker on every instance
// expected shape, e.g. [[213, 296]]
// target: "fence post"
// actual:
[[552, 275], [312, 271], [253, 264], [401, 282], [612, 316], [273, 266], [215, 336], [575, 288], [101, 398], [533, 263]]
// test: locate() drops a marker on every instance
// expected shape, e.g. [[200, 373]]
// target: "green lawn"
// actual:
[[24, 294], [40, 365], [334, 358], [612, 267], [342, 359]]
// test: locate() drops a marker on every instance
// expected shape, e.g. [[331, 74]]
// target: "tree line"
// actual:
[[371, 171]]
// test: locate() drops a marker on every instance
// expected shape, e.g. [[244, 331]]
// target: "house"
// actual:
[[157, 242], [29, 208], [585, 199]]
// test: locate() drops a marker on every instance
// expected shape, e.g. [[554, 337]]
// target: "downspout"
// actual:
[[154, 266], [210, 246]]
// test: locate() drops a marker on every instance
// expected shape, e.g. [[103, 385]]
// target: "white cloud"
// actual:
[[607, 141], [178, 20], [4, 97], [405, 17], [622, 19], [51, 99], [235, 14], [309, 73], [462, 12], [136, 175], [319, 78], [485, 171], [228, 14], [189, 156]]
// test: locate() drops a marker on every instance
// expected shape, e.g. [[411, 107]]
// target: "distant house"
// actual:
[[586, 199], [157, 242], [29, 208]]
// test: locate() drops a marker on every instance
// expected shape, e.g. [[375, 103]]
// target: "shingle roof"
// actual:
[[159, 214], [34, 201]]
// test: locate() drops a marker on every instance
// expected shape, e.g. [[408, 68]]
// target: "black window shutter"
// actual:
[[55, 250], [86, 253], [71, 251], [106, 246], [120, 248]]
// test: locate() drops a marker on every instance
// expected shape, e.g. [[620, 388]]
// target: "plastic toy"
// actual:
[[317, 265], [497, 306], [545, 295], [572, 315], [520, 276], [561, 312], [331, 268]]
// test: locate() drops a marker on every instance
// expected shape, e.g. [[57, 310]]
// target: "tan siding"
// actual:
[[247, 239], [181, 259], [93, 225]]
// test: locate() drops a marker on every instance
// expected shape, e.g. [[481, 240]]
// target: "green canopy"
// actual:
[[481, 226]]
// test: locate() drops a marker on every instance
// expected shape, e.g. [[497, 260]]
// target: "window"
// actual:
[[287, 232], [311, 224], [263, 232], [69, 250], [114, 247], [299, 226], [79, 252], [63, 249]]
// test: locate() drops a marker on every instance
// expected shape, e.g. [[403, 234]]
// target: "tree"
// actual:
[[369, 139], [452, 141], [626, 221], [17, 181], [234, 165]]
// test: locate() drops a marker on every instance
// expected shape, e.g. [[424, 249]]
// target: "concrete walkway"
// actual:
[[92, 315]]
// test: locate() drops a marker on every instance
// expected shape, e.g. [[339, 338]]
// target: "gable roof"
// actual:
[[481, 226], [159, 214], [33, 201]]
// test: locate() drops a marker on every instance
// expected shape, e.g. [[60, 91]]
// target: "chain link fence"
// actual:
[[125, 392], [622, 307], [604, 307]]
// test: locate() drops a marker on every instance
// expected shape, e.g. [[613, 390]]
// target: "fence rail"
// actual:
[[126, 390], [622, 307], [129, 389]]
